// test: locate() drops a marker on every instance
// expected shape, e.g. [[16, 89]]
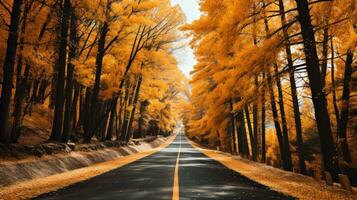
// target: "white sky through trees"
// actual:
[[185, 56]]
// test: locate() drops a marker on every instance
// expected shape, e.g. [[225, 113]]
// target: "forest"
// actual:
[[276, 82], [84, 70]]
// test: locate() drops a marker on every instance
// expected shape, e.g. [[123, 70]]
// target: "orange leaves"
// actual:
[[228, 61]]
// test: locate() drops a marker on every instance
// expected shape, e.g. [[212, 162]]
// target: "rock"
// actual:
[[101, 146], [71, 145], [67, 149], [50, 148], [39, 151]]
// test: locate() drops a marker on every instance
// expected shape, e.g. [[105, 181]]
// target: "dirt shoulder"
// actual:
[[31, 188], [293, 184]]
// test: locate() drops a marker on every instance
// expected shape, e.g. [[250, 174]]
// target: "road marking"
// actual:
[[176, 189]]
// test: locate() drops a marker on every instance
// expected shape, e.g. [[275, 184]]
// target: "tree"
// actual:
[[8, 71], [317, 92], [60, 77]]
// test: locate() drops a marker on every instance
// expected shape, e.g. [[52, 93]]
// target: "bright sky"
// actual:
[[185, 56]]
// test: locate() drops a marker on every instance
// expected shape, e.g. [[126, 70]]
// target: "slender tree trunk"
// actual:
[[135, 102], [274, 108], [119, 131], [125, 112], [19, 104], [333, 83], [87, 111], [70, 74], [104, 120], [293, 90], [99, 65], [342, 129], [41, 93], [276, 122], [81, 107], [328, 149], [53, 90], [8, 71], [298, 126], [250, 131], [288, 164], [35, 89], [263, 150], [21, 84], [77, 94], [61, 65], [263, 140], [255, 123], [233, 124], [112, 116], [143, 107], [242, 134], [324, 57], [229, 139]]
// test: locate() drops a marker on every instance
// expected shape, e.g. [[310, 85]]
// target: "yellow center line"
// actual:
[[176, 190]]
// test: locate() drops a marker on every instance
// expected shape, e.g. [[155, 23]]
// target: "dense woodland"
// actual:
[[94, 69], [276, 82]]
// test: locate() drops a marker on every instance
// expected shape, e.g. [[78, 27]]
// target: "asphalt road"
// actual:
[[152, 177]]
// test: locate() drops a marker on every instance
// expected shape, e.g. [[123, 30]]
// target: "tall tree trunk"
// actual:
[[263, 149], [112, 116], [333, 83], [143, 108], [70, 74], [274, 108], [19, 105], [342, 129], [21, 83], [324, 57], [250, 131], [293, 90], [8, 71], [87, 111], [77, 95], [286, 142], [276, 121], [41, 95], [125, 112], [61, 65], [119, 118], [242, 134], [255, 123], [135, 102], [318, 94], [82, 101], [104, 119], [98, 73], [233, 125], [229, 139]]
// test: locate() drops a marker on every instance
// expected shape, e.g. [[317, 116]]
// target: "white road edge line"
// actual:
[[176, 189]]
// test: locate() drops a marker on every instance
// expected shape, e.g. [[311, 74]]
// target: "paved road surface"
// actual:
[[152, 177]]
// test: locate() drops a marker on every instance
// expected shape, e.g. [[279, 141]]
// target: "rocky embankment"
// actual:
[[20, 163]]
